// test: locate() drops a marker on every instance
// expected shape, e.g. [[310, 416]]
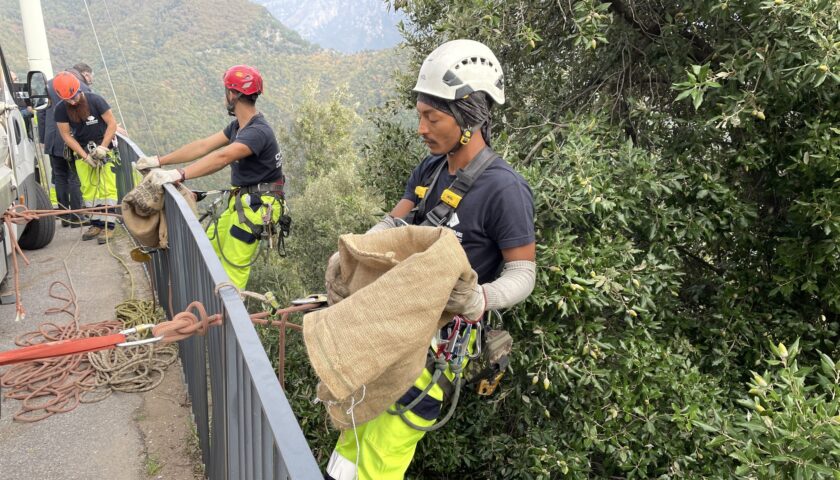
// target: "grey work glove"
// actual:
[[100, 154], [336, 289], [467, 299], [147, 163]]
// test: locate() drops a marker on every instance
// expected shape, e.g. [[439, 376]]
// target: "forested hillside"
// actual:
[[171, 54]]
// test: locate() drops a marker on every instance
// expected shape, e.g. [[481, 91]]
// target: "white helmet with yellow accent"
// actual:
[[460, 67]]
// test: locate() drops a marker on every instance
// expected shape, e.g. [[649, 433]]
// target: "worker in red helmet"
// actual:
[[255, 202], [87, 126]]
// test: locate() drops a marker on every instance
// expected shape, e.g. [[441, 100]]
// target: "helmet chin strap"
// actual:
[[231, 104], [466, 131]]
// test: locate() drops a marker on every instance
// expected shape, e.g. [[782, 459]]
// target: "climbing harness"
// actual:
[[270, 232], [451, 197], [269, 229], [450, 349]]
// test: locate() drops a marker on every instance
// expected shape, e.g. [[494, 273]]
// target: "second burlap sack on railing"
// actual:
[[142, 210], [369, 348]]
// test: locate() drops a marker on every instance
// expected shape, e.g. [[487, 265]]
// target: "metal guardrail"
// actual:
[[128, 153], [245, 425]]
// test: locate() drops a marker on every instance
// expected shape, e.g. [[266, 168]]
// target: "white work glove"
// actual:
[[466, 299], [90, 160], [147, 163], [336, 289], [99, 154], [160, 177]]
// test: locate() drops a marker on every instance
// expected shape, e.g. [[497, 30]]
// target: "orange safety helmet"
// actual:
[[243, 79], [66, 85]]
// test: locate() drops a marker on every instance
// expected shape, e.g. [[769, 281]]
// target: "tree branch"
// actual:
[[700, 52]]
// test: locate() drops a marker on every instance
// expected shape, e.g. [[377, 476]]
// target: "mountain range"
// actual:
[[166, 59], [344, 25]]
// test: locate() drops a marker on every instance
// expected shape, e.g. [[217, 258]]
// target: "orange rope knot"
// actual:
[[186, 324]]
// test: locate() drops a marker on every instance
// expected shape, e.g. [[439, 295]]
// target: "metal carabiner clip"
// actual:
[[139, 329]]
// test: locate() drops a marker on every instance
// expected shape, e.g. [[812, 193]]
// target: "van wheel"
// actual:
[[38, 233]]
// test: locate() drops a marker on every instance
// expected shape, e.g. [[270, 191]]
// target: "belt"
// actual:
[[268, 187]]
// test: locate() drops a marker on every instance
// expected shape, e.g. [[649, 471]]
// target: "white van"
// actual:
[[20, 182]]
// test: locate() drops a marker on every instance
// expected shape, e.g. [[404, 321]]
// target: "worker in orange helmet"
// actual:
[[88, 127]]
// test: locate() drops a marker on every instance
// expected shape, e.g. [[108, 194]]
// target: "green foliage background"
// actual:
[[684, 162]]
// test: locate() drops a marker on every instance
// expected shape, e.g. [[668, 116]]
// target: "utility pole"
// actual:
[[35, 36]]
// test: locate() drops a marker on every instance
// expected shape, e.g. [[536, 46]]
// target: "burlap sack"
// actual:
[[369, 348], [142, 211]]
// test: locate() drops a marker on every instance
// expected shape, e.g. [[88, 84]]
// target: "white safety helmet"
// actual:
[[460, 67]]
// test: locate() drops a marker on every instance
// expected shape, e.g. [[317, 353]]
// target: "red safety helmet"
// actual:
[[243, 79], [66, 85]]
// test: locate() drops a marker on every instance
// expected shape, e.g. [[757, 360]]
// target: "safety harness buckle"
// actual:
[[450, 198]]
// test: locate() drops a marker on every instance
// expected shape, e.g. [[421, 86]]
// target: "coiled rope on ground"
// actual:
[[57, 385]]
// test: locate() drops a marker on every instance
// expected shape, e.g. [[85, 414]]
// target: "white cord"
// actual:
[[353, 403], [107, 72], [131, 77], [350, 412]]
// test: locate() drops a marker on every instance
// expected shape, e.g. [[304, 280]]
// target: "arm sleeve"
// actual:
[[514, 284]]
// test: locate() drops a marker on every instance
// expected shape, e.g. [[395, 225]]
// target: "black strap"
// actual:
[[464, 180], [421, 207], [240, 212]]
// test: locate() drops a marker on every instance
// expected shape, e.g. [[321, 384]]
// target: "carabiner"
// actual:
[[139, 329]]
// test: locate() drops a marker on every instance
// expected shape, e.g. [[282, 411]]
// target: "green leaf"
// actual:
[[682, 95], [697, 97]]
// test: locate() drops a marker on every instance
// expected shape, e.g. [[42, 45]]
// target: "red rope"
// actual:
[[60, 348]]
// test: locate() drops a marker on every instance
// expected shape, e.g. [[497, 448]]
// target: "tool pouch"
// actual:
[[490, 367]]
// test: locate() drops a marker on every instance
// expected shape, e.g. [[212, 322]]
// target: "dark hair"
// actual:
[[83, 68], [250, 99]]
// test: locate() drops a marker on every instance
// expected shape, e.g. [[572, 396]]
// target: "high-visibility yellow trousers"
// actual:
[[386, 444], [99, 186], [233, 240]]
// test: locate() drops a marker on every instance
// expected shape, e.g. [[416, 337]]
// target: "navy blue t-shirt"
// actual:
[[497, 213], [265, 164], [94, 127]]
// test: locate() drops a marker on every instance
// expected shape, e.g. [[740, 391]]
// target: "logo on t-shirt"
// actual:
[[279, 160], [453, 220], [91, 120]]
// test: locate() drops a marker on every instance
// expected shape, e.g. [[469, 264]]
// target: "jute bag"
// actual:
[[369, 348], [142, 210]]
